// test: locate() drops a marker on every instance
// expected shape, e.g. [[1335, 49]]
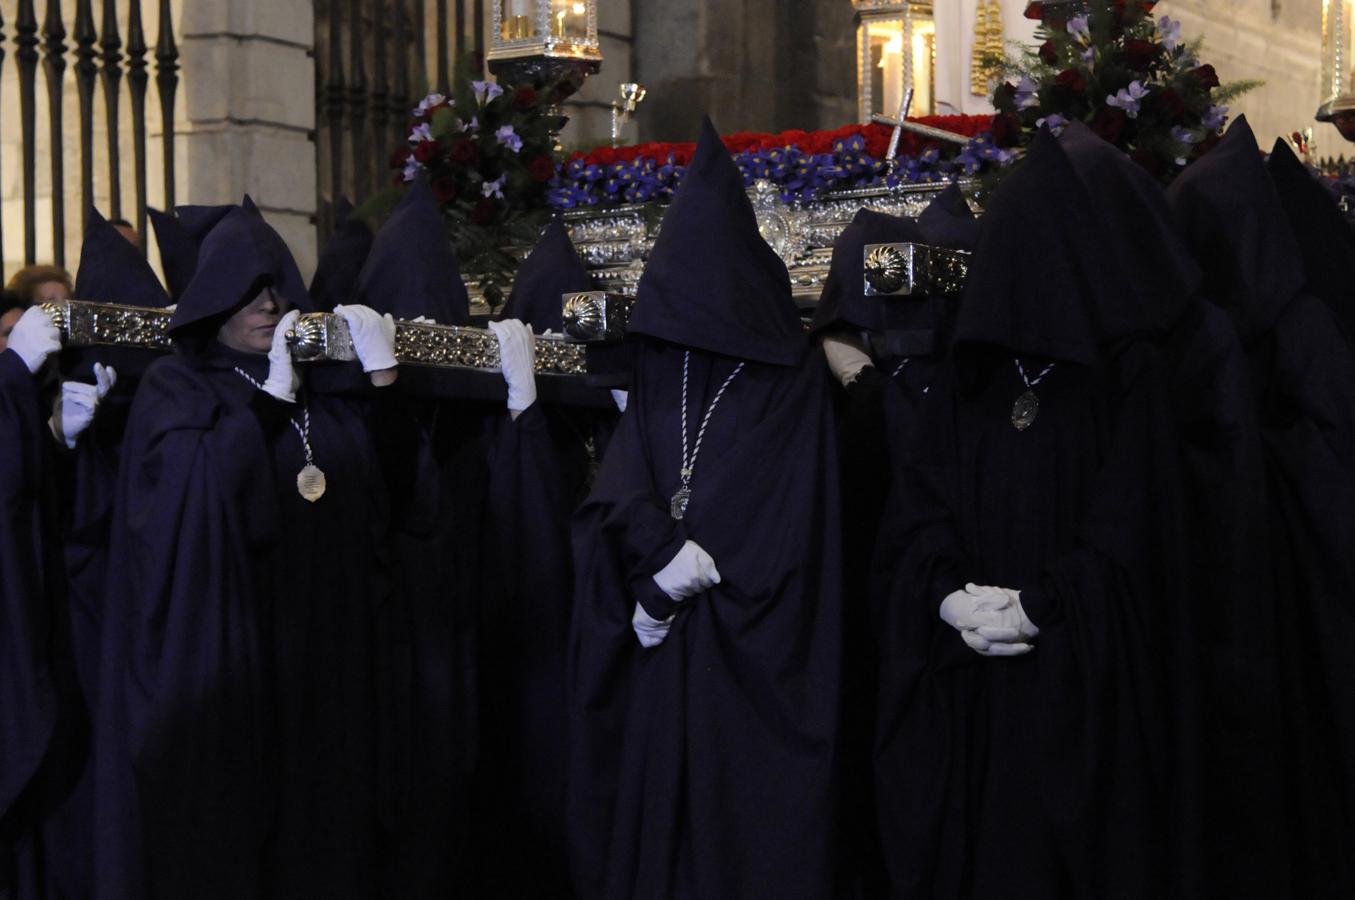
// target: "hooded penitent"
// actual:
[[538, 474], [336, 273], [1036, 776], [241, 747], [435, 548], [412, 268], [1324, 235], [1304, 377], [1223, 479], [553, 269], [178, 250], [706, 766]]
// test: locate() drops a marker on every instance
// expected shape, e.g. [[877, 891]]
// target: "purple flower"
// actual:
[[494, 188], [485, 91], [422, 132], [509, 138], [431, 101], [472, 126], [1128, 99], [412, 168], [1026, 93], [1088, 56], [1170, 33], [1215, 117], [1079, 28], [1055, 122]]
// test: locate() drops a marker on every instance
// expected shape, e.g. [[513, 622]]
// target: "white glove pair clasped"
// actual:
[[990, 620], [692, 571]]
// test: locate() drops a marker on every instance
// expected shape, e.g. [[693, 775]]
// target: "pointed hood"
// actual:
[[336, 274], [178, 251], [113, 271], [554, 268], [1326, 239], [844, 301], [949, 222], [198, 221], [711, 282], [239, 256], [1232, 219], [1042, 283], [1136, 227], [412, 269]]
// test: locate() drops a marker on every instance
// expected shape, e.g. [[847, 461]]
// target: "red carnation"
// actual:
[[399, 158], [426, 151], [1006, 129], [484, 211], [1035, 10], [1072, 80], [1206, 76], [1140, 54], [1172, 105], [1109, 123], [541, 169], [1147, 160], [1048, 53], [444, 189], [462, 150], [524, 98]]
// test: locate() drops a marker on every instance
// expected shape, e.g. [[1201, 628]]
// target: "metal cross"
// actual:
[[901, 124]]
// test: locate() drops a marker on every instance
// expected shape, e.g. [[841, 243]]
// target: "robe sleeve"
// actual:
[[28, 697], [184, 738]]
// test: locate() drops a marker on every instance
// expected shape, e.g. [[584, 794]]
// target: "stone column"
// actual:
[[590, 111], [248, 102]]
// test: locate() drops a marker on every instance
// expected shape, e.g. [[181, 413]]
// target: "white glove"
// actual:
[[282, 381], [648, 629], [423, 320], [990, 620], [620, 398], [846, 356], [35, 337], [373, 336], [78, 402], [517, 352], [689, 573]]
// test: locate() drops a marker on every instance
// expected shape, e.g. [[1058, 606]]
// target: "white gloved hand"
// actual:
[[517, 352], [620, 398], [78, 402], [990, 620], [373, 336], [689, 573], [282, 381], [847, 356], [35, 337], [423, 320], [648, 629]]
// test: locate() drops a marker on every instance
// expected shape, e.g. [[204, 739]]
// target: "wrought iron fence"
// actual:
[[92, 64]]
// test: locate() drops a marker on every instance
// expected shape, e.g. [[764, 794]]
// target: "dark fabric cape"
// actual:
[[345, 253], [1304, 378], [707, 766], [1040, 776]]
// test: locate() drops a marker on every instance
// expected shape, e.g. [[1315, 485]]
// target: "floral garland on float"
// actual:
[[1133, 79]]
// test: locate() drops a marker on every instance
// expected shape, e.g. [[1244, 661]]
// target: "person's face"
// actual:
[[251, 329], [50, 292], [130, 234], [7, 323]]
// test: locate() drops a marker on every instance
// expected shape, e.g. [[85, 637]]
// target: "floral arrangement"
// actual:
[[801, 163], [1133, 79], [488, 154]]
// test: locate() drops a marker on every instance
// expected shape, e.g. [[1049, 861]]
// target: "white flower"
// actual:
[[1170, 32], [429, 102], [1215, 117], [1128, 99], [422, 132], [1078, 28], [485, 91], [494, 188], [1026, 93], [509, 138]]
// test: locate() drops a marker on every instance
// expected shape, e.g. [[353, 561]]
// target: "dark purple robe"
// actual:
[[707, 766]]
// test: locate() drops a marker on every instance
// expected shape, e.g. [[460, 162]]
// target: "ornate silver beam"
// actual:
[[908, 269]]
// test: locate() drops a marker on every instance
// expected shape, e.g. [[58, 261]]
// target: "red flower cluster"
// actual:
[[812, 142]]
